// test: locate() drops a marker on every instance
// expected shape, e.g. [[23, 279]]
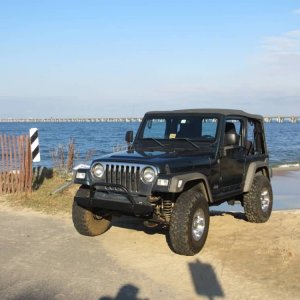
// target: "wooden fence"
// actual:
[[15, 164]]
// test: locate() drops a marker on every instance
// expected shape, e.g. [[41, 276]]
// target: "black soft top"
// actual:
[[217, 111]]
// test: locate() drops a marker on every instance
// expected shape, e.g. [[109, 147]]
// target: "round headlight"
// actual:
[[148, 175], [98, 170]]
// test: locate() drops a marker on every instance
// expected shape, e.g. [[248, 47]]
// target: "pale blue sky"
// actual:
[[122, 58]]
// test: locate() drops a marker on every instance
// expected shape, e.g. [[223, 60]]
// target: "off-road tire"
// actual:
[[253, 201], [87, 223], [180, 232]]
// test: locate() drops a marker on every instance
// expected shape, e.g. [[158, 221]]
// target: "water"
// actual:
[[98, 137], [283, 139]]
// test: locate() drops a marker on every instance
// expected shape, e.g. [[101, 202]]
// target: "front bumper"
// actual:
[[115, 198]]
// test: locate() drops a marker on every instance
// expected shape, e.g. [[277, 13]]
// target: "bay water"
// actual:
[[283, 141]]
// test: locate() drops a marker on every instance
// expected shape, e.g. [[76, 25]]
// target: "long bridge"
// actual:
[[267, 119], [67, 120], [282, 119]]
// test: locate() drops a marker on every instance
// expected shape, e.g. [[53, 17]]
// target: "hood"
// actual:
[[166, 161]]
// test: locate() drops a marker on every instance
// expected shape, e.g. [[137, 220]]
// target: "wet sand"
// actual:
[[286, 189]]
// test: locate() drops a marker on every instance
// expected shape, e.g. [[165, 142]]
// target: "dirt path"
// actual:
[[42, 257]]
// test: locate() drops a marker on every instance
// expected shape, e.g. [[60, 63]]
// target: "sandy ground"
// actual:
[[42, 257], [240, 260]]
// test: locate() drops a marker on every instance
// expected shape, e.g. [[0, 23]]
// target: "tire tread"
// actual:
[[86, 224], [179, 224], [252, 205]]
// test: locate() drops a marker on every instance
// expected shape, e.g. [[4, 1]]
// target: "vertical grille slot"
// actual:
[[126, 175]]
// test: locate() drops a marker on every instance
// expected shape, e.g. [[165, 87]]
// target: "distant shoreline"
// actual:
[[70, 120], [267, 119]]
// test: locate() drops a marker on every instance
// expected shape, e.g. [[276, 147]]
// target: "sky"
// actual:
[[121, 58]]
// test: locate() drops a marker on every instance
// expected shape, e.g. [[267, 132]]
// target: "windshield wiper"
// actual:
[[189, 141], [155, 140]]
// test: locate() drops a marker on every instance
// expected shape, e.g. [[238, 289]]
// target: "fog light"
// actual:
[[80, 175], [163, 182]]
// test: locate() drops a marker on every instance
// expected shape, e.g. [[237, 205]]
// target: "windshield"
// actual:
[[197, 128]]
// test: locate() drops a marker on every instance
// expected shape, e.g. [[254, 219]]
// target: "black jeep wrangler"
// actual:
[[180, 163]]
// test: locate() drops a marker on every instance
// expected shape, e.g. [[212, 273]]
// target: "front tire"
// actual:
[[189, 223], [88, 223], [258, 201]]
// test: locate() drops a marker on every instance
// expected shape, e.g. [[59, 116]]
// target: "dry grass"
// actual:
[[42, 200]]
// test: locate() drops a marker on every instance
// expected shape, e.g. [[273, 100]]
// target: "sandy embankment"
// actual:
[[240, 260]]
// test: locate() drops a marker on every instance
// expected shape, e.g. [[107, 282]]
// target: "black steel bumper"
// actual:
[[115, 198]]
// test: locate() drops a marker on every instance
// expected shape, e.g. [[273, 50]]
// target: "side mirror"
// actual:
[[231, 139], [129, 137]]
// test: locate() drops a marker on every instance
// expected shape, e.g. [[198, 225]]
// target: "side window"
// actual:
[[255, 140], [235, 126], [250, 143], [155, 128]]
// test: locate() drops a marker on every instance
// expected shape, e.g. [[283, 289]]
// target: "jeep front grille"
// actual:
[[123, 174]]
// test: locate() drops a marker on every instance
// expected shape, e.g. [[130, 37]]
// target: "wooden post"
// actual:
[[6, 165], [16, 175]]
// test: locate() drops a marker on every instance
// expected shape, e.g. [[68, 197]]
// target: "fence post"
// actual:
[[35, 147]]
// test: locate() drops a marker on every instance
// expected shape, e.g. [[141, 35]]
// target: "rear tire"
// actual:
[[258, 201], [87, 223], [189, 223]]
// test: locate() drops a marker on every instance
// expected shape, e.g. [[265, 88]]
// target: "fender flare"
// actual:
[[179, 181], [251, 173]]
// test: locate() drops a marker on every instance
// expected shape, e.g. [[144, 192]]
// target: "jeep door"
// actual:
[[232, 156]]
